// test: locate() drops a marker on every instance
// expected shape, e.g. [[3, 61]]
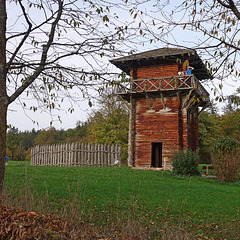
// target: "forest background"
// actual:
[[109, 124]]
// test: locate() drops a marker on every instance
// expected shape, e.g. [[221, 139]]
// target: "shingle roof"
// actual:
[[161, 52], [163, 56]]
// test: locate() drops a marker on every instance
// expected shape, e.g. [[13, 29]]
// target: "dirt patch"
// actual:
[[208, 176]]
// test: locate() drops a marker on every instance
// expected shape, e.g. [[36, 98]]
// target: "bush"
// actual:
[[185, 163], [226, 159], [204, 156]]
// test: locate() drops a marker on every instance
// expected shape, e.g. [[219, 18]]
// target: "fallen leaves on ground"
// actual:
[[23, 225], [16, 224]]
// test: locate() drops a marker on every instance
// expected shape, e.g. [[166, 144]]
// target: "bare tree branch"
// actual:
[[26, 34], [43, 58], [231, 6]]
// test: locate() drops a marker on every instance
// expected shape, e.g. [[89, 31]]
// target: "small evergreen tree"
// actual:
[[185, 163]]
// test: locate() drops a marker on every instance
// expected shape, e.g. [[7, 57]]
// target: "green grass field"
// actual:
[[109, 198]]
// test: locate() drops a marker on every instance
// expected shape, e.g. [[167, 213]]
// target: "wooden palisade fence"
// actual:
[[76, 154]]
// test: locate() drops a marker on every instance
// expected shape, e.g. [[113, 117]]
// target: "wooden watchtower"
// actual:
[[163, 105]]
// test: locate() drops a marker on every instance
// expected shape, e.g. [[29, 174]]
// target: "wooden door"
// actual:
[[156, 155]]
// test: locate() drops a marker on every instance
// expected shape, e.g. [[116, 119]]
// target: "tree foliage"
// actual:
[[50, 136], [19, 143], [13, 140], [233, 102], [226, 160], [209, 130], [109, 124], [78, 134], [213, 126], [27, 138]]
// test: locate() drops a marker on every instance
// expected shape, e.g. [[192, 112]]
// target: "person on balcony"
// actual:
[[189, 70], [180, 72], [181, 79]]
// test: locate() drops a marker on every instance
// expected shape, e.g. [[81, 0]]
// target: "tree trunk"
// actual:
[[3, 123], [3, 93]]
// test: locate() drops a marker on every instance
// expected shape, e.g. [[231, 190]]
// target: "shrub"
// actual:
[[226, 159], [204, 156], [185, 163]]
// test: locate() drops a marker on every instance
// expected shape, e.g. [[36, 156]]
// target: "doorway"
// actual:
[[156, 160]]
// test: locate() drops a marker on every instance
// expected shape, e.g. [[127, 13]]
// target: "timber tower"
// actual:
[[163, 105]]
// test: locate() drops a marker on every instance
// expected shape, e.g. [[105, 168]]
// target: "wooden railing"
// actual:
[[162, 84], [76, 154]]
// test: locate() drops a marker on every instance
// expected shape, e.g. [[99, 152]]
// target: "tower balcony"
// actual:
[[168, 86]]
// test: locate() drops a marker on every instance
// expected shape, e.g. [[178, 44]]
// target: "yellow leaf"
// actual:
[[32, 214], [21, 214]]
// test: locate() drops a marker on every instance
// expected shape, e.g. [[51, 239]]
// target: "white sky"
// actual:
[[27, 120]]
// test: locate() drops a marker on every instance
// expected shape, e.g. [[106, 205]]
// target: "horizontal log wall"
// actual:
[[154, 124], [76, 154], [156, 71]]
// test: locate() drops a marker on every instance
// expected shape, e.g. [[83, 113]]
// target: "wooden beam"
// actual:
[[148, 101], [132, 133], [125, 103], [164, 105], [203, 108]]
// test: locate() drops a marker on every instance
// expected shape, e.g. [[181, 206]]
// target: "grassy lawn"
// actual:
[[110, 197]]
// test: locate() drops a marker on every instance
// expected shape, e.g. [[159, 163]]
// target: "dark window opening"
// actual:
[[156, 155]]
